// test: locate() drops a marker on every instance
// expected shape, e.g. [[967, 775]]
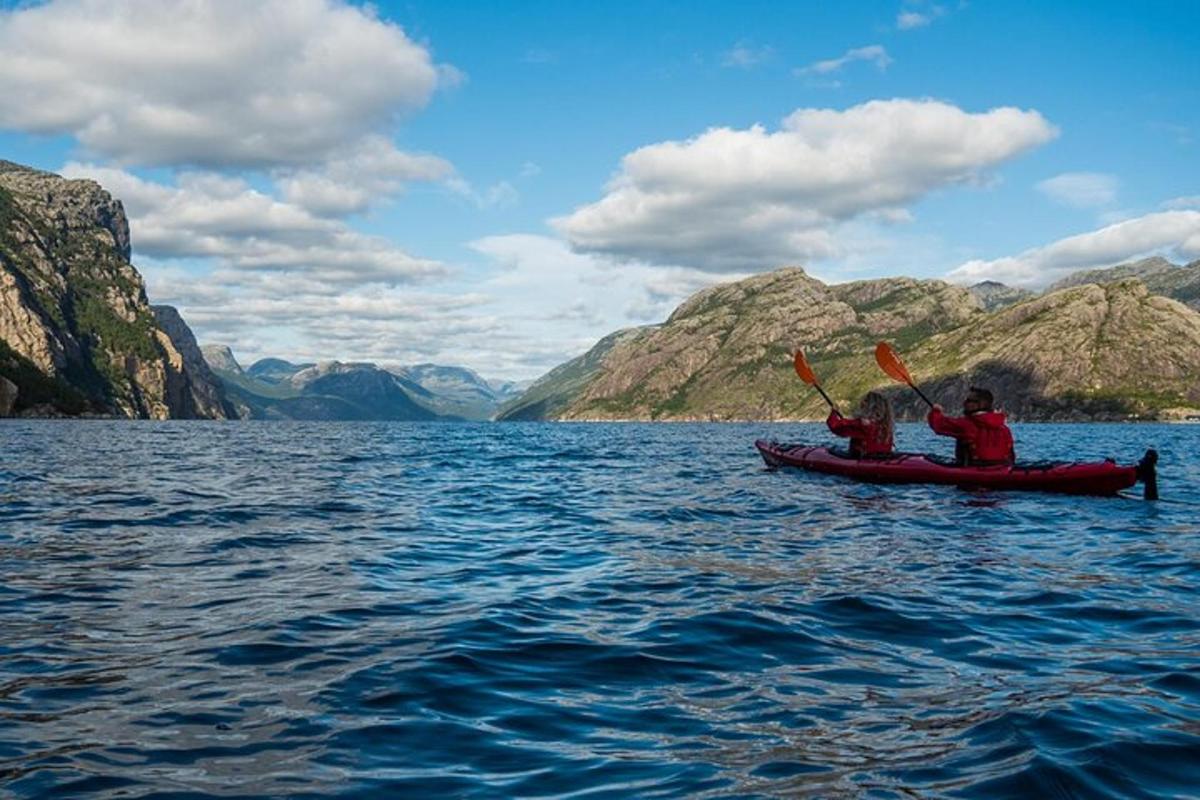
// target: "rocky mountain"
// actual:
[[1092, 351], [220, 357], [275, 370], [726, 352], [993, 296], [77, 334], [457, 391], [272, 388], [276, 389], [1161, 277], [550, 394], [1084, 352]]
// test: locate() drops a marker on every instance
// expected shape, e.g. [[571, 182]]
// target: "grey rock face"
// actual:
[[1160, 276], [993, 296], [78, 331], [194, 390], [221, 358], [8, 396]]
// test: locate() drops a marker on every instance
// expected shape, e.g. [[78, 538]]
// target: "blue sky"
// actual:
[[499, 184]]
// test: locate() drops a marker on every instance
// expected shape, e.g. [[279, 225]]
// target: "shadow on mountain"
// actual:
[[1018, 392]]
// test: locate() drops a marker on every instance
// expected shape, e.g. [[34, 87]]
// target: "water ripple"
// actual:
[[320, 610]]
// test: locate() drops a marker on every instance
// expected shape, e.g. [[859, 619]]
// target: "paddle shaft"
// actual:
[[817, 386], [921, 394]]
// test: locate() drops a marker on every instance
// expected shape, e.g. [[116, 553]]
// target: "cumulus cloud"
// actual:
[[538, 305], [211, 82], [734, 200], [270, 314], [1081, 189], [544, 271], [205, 215], [1173, 233], [874, 54], [349, 181]]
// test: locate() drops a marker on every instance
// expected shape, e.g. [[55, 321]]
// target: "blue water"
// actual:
[[321, 610]]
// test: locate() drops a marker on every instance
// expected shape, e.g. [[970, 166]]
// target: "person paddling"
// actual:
[[982, 435], [871, 432]]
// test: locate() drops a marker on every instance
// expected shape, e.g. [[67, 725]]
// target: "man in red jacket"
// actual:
[[981, 435]]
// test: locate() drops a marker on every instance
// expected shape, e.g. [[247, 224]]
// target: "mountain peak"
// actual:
[[221, 358], [726, 352]]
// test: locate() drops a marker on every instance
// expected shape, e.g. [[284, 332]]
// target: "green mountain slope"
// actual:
[[726, 352], [555, 390], [1081, 352], [77, 332]]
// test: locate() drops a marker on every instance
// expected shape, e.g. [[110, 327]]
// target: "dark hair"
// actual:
[[983, 395]]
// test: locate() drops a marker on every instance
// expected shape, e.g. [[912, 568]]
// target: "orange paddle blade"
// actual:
[[890, 363], [803, 369]]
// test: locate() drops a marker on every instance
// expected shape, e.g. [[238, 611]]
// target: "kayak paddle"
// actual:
[[808, 376], [890, 363]]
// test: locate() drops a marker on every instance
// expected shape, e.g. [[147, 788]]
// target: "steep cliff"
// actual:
[[79, 335]]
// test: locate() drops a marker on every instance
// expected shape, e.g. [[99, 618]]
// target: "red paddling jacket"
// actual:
[[983, 438], [866, 438]]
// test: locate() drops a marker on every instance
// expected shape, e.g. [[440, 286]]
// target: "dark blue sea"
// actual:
[[583, 611]]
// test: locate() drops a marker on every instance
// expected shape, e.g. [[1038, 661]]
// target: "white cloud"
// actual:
[[907, 20], [270, 314], [540, 305], [540, 274], [1081, 189], [348, 182], [744, 200], [874, 54], [1183, 203], [210, 216], [1174, 233], [744, 55], [209, 82]]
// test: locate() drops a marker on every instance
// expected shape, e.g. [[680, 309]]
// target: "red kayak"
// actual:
[[1096, 478]]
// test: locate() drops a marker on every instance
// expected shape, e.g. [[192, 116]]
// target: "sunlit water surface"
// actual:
[[317, 610]]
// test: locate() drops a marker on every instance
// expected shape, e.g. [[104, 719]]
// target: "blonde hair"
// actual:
[[878, 409]]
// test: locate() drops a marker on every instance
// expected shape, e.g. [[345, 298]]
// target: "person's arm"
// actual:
[[947, 426], [845, 427]]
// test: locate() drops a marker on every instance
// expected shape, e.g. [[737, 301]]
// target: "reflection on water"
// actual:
[[540, 610]]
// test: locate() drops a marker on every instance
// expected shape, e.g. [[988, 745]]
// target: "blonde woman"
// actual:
[[870, 432]]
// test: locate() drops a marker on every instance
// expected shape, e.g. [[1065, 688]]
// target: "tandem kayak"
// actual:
[[1095, 478]]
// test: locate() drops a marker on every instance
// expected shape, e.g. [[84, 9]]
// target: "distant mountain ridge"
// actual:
[[1081, 352], [1179, 282], [993, 295], [273, 388]]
